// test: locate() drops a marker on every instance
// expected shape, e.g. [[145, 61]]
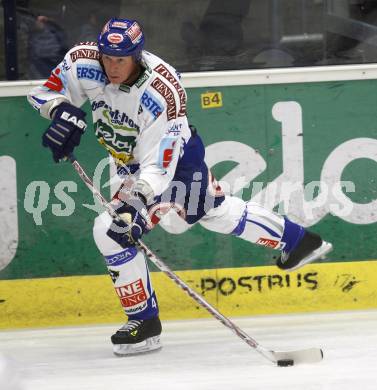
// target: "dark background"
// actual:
[[195, 35]]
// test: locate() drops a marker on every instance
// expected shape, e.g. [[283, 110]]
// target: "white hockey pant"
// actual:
[[247, 220], [128, 267]]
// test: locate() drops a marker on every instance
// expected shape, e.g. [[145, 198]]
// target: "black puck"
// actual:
[[285, 362]]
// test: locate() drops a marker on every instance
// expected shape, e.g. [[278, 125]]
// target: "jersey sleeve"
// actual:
[[159, 150], [160, 144], [62, 85]]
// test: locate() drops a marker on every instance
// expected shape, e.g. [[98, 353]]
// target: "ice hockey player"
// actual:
[[139, 114]]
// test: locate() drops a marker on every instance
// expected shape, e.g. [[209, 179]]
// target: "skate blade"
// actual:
[[319, 253], [151, 344]]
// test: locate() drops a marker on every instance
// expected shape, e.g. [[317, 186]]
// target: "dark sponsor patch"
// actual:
[[90, 54], [164, 72], [168, 95]]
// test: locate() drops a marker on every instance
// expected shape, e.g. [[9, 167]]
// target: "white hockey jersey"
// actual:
[[143, 124]]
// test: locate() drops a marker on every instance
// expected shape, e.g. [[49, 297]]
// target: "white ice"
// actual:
[[200, 355]]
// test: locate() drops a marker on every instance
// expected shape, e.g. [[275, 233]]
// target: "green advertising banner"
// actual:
[[308, 150]]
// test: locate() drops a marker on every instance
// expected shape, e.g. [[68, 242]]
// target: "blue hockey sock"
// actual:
[[292, 235]]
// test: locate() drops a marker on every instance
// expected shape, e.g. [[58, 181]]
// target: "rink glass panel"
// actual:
[[203, 35]]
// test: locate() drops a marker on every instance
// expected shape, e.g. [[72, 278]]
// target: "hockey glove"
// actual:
[[133, 225], [65, 130]]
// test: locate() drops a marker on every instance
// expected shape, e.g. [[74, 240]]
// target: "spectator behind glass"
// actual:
[[220, 31], [89, 29], [47, 46]]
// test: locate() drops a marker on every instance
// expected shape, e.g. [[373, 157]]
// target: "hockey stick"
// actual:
[[281, 358]]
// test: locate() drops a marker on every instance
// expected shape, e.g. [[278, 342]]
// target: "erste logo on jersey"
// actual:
[[151, 104], [91, 72]]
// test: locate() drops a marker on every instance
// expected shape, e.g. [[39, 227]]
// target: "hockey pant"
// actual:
[[128, 267]]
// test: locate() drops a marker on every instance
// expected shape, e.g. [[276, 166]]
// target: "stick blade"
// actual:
[[302, 356]]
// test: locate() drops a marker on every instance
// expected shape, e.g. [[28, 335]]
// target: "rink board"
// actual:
[[46, 223], [261, 131], [234, 291]]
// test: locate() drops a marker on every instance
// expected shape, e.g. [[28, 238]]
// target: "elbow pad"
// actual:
[[143, 190]]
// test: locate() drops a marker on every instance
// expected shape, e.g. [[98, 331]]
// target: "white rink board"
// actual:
[[202, 355], [240, 77]]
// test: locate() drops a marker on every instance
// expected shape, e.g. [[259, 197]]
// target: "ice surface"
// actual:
[[201, 355]]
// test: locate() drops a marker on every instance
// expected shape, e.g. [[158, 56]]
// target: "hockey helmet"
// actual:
[[121, 38]]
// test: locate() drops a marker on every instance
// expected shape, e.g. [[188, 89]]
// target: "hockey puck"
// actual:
[[285, 362]]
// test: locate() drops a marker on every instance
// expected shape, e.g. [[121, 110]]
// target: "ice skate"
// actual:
[[137, 336], [310, 248]]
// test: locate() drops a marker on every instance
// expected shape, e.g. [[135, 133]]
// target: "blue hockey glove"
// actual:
[[65, 130], [133, 225]]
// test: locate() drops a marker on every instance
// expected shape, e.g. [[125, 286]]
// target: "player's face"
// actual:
[[118, 69]]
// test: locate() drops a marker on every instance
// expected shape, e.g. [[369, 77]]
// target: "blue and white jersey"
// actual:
[[143, 124]]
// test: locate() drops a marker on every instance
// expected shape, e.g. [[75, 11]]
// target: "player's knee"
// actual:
[[224, 218], [101, 225], [104, 243]]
